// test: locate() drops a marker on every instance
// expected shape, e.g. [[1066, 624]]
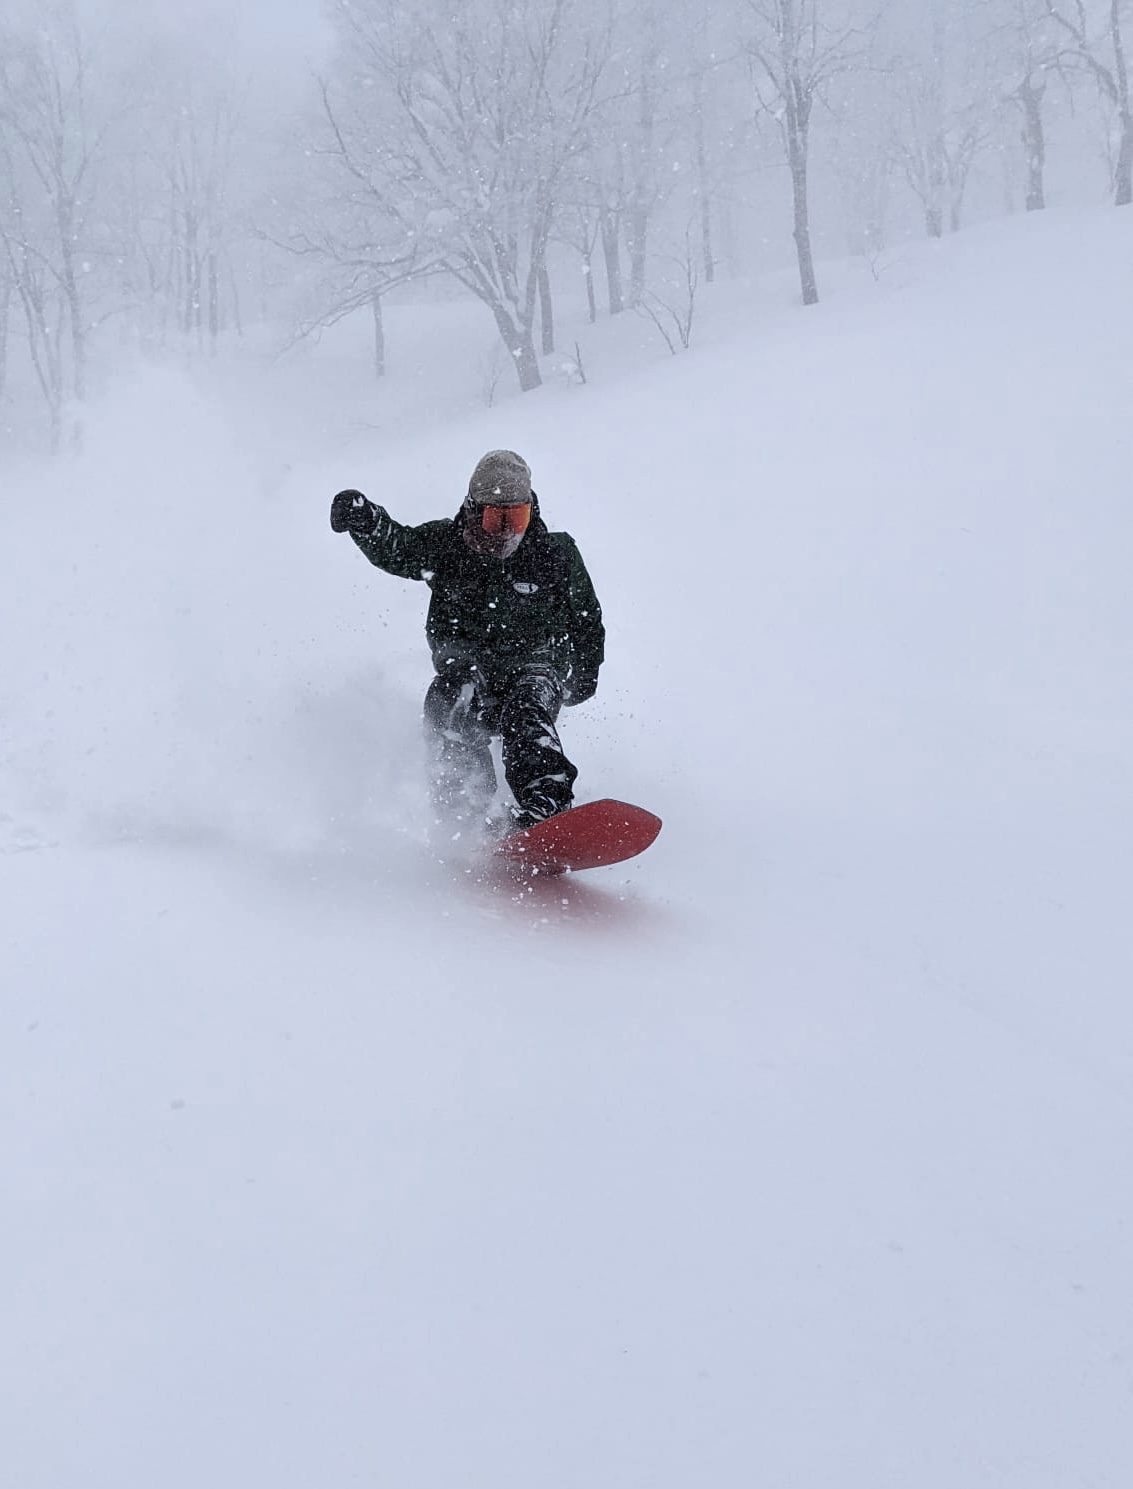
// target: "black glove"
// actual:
[[351, 512]]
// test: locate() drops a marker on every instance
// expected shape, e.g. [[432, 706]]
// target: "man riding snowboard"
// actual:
[[514, 627]]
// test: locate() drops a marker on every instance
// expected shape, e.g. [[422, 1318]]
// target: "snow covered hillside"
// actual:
[[796, 1152]]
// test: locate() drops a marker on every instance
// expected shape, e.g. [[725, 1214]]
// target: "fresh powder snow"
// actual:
[[796, 1152]]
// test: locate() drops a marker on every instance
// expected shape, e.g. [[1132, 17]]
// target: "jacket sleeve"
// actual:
[[407, 552], [588, 635]]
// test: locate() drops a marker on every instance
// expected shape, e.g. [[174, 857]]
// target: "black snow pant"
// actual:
[[464, 709]]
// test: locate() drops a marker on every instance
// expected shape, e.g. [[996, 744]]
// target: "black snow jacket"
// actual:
[[538, 606]]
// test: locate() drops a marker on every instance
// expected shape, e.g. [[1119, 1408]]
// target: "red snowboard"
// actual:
[[585, 837]]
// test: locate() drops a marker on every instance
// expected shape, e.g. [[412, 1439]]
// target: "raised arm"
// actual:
[[408, 552]]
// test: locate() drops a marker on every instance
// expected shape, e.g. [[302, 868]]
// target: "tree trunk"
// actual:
[[70, 285], [546, 311], [936, 172], [703, 185], [234, 292], [729, 237], [797, 142], [611, 251], [521, 346], [706, 239], [48, 372], [957, 185], [1034, 143], [41, 343], [637, 241], [643, 195], [591, 297], [194, 280], [801, 235], [188, 288], [379, 335], [527, 364], [1123, 170], [78, 338]]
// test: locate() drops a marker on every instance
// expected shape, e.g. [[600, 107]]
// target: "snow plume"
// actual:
[[166, 680]]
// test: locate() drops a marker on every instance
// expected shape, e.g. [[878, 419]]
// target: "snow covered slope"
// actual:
[[796, 1152]]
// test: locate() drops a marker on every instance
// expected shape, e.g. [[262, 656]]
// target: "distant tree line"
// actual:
[[154, 193]]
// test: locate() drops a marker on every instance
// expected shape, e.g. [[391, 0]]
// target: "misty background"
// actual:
[[793, 1152], [185, 180]]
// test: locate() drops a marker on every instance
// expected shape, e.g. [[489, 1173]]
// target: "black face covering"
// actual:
[[489, 531]]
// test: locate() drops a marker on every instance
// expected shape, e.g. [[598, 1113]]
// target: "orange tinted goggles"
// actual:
[[495, 520]]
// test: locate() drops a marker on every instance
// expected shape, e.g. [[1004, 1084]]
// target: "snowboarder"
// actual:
[[515, 631]]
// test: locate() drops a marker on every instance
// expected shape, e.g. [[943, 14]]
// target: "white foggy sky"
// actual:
[[289, 33]]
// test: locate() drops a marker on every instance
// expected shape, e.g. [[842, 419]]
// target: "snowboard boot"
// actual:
[[537, 805]]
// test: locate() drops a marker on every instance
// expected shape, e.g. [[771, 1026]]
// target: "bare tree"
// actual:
[[1029, 94], [468, 125], [189, 161], [711, 89], [196, 161], [919, 139], [1093, 39], [624, 163], [609, 226], [946, 95], [28, 272], [341, 217], [578, 229], [50, 149], [1023, 47], [671, 308], [1034, 58], [647, 66], [602, 169], [795, 54]]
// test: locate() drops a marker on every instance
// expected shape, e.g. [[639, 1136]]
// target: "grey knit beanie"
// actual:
[[501, 478]]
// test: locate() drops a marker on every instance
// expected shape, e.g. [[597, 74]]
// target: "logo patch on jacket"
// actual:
[[522, 587]]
